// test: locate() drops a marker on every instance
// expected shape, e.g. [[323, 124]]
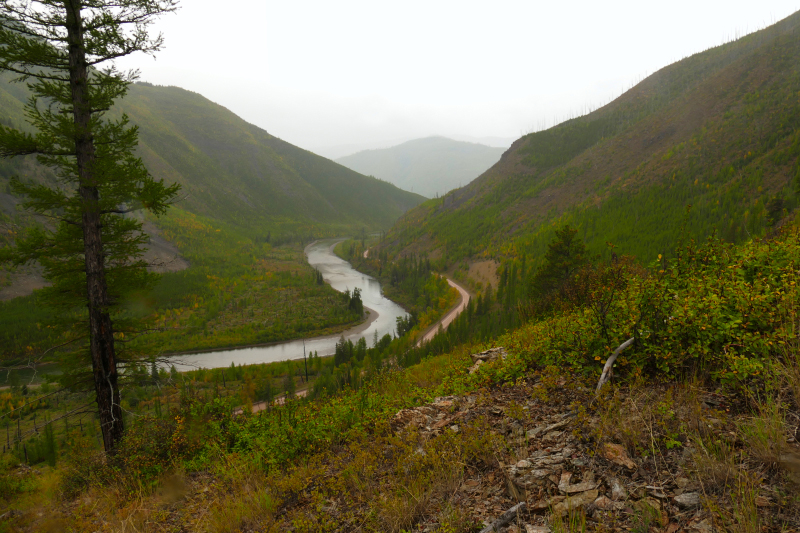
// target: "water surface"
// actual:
[[341, 276]]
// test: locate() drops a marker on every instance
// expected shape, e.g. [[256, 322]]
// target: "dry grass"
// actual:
[[714, 465], [248, 507], [649, 420], [573, 522], [764, 435]]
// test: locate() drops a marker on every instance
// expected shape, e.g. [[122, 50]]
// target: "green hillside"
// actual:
[[249, 202], [233, 171], [431, 166], [718, 130]]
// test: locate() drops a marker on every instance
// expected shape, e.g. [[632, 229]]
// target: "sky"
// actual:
[[336, 77]]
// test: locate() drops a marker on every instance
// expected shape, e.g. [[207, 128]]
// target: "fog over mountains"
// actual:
[[431, 166]]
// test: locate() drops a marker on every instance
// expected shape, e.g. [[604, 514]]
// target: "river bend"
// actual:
[[341, 276]]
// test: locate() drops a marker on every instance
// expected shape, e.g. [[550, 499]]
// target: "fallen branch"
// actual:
[[606, 375], [507, 517]]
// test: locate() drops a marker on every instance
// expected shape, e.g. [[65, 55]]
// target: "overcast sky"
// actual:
[[322, 74]]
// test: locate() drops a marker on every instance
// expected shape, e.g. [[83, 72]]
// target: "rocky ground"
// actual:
[[542, 454], [572, 472]]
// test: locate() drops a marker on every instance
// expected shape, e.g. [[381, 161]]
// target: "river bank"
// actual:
[[341, 276]]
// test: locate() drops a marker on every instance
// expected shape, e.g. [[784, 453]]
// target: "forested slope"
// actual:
[[230, 170], [718, 131], [249, 202]]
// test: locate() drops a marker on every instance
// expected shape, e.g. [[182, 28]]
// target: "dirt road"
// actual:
[[449, 317]]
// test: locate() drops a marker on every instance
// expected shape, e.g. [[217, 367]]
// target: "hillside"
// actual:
[[230, 170], [234, 240], [431, 166], [717, 130]]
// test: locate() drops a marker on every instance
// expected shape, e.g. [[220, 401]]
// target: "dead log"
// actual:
[[606, 375], [507, 517]]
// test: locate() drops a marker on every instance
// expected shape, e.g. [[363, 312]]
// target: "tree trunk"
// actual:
[[104, 365]]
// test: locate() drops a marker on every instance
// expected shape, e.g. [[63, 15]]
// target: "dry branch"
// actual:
[[606, 375]]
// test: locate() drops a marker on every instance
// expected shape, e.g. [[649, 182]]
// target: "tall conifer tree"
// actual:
[[89, 250]]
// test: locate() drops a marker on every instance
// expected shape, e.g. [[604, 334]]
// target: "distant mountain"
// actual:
[[231, 170], [336, 151], [718, 131], [429, 166]]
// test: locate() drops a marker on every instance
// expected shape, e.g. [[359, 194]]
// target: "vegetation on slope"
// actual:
[[237, 292], [719, 130], [246, 193], [722, 316]]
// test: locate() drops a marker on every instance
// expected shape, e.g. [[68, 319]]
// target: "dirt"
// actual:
[[484, 272]]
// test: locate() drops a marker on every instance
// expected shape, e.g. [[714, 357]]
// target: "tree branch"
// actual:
[[606, 375]]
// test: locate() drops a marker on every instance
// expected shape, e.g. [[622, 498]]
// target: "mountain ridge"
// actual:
[[718, 130], [430, 165], [232, 170]]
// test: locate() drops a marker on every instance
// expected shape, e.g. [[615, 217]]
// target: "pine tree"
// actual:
[[89, 251], [564, 257]]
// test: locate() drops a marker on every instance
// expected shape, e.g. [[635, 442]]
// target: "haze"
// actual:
[[335, 77]]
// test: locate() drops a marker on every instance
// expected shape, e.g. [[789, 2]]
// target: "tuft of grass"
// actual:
[[248, 507], [741, 515], [647, 420], [764, 435], [573, 522], [715, 465]]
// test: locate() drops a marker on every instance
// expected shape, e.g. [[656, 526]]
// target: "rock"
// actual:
[[606, 504], [440, 424], [489, 355], [474, 368], [557, 425], [553, 435], [419, 417], [688, 500], [536, 529], [564, 485], [444, 402], [617, 454], [547, 504], [535, 431], [574, 502], [703, 527], [552, 460], [524, 464], [580, 487]]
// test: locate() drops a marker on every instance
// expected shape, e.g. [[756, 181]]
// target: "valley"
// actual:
[[206, 328]]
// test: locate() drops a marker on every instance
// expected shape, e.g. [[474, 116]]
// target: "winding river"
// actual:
[[341, 276]]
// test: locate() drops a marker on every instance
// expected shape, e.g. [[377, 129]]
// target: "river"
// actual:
[[341, 276]]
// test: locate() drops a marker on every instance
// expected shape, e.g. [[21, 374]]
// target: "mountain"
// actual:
[[230, 170], [430, 166], [719, 131]]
